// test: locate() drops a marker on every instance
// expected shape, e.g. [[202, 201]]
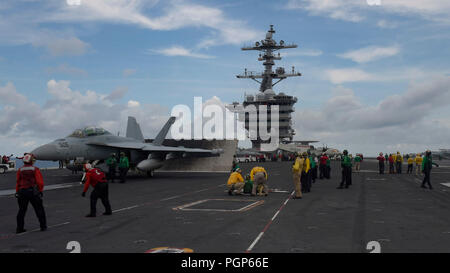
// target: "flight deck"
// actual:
[[192, 211]]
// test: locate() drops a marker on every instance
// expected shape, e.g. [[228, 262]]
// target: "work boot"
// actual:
[[43, 228], [18, 231], [107, 213], [90, 215]]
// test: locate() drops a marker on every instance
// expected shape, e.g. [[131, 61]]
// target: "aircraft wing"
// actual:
[[194, 151], [146, 147], [120, 145]]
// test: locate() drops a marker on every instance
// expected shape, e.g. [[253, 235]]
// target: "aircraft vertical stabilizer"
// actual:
[[134, 130], [162, 134]]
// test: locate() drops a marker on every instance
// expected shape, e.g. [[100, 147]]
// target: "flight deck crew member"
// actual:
[[235, 182], [410, 165], [418, 161], [96, 178], [328, 169], [305, 173], [124, 165], [111, 162], [391, 164], [322, 165], [346, 165], [313, 162], [381, 159], [427, 165], [399, 162], [297, 169], [259, 177], [358, 160], [29, 187]]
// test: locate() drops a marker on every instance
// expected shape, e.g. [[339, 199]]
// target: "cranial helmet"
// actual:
[[87, 167], [28, 159]]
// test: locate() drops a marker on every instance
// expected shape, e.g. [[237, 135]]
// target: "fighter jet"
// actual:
[[96, 144], [305, 146]]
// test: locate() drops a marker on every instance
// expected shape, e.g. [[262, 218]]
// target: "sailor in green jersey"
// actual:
[[328, 169], [346, 165], [313, 168], [124, 165], [358, 160], [111, 162], [427, 165]]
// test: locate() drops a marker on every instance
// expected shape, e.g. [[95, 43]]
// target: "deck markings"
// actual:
[[38, 229], [253, 204], [250, 248], [46, 188], [128, 208]]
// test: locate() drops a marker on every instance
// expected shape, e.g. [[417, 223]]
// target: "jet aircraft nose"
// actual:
[[45, 152]]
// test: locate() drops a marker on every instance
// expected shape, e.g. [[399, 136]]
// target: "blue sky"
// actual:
[[375, 78]]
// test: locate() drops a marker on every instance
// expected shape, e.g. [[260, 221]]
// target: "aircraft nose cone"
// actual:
[[44, 152]]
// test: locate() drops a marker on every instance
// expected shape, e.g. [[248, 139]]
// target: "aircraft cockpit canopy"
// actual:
[[89, 131]]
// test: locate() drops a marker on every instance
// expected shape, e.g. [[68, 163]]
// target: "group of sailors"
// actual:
[[5, 159], [254, 183], [422, 165], [306, 169], [30, 187]]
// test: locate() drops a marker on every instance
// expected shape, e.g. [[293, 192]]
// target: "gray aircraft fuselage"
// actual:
[[71, 148]]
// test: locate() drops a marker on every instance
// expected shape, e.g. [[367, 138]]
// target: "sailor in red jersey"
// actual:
[[29, 187], [323, 166], [97, 179]]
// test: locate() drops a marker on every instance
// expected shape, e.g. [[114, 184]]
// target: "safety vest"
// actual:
[[93, 177], [29, 176]]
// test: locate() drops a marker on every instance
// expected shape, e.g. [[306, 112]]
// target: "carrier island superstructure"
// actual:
[[266, 95]]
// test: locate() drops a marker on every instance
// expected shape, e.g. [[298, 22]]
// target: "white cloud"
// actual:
[[70, 47], [339, 76], [304, 52], [402, 119], [128, 72], [356, 11], [67, 69], [370, 53], [176, 15], [337, 9], [68, 109], [180, 51], [133, 103], [118, 93], [386, 24], [29, 24]]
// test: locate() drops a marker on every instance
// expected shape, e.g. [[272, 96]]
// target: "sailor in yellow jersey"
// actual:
[[235, 182], [410, 165], [306, 187], [297, 169], [418, 161], [259, 177]]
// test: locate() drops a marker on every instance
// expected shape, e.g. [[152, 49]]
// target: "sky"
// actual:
[[375, 74]]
